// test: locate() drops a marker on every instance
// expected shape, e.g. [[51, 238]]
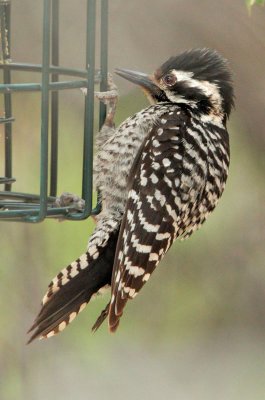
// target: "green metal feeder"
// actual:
[[36, 207]]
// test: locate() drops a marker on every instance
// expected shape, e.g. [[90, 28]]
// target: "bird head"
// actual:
[[199, 78]]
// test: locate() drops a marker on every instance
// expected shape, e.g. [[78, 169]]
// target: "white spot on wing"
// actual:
[[131, 292], [166, 162], [154, 178], [143, 181], [153, 257], [82, 307], [61, 326], [162, 236], [72, 316], [177, 182], [146, 277], [83, 260], [136, 271], [118, 276]]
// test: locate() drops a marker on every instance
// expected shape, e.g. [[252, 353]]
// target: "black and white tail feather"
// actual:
[[160, 174], [71, 290]]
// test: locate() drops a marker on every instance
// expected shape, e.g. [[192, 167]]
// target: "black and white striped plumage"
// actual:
[[160, 174]]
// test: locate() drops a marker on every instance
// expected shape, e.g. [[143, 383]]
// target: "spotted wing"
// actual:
[[158, 196]]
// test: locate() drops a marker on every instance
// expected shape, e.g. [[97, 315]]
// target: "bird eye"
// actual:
[[170, 79]]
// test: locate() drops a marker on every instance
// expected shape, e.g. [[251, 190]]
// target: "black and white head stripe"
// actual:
[[202, 68]]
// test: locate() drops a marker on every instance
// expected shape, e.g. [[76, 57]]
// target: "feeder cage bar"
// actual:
[[27, 207]]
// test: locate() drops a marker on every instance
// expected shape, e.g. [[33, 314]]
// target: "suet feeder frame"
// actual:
[[36, 207]]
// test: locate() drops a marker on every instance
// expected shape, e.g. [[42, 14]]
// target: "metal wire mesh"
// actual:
[[36, 207]]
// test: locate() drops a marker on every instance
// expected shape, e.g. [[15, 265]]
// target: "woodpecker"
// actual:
[[160, 174]]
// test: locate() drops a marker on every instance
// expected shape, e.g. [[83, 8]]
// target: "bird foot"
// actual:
[[110, 94], [110, 98], [69, 199]]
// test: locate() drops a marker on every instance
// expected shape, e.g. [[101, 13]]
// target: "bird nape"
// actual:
[[160, 174]]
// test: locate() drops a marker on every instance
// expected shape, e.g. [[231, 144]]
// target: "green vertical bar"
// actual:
[[103, 73], [87, 186], [44, 112], [54, 99], [8, 130], [103, 58], [5, 30]]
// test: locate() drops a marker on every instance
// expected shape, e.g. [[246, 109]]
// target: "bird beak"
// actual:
[[140, 79]]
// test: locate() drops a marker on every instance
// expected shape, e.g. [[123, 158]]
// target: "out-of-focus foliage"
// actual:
[[196, 331], [251, 3]]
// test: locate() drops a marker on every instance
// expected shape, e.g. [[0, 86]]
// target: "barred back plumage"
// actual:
[[177, 182], [160, 174]]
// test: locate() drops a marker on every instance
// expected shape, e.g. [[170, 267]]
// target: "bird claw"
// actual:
[[72, 200], [111, 93], [69, 199], [109, 98]]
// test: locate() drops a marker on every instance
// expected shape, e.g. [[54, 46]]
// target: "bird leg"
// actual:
[[110, 98]]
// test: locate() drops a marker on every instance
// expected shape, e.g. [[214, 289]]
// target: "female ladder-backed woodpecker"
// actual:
[[160, 174]]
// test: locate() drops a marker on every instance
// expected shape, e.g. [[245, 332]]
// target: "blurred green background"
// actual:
[[196, 331]]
